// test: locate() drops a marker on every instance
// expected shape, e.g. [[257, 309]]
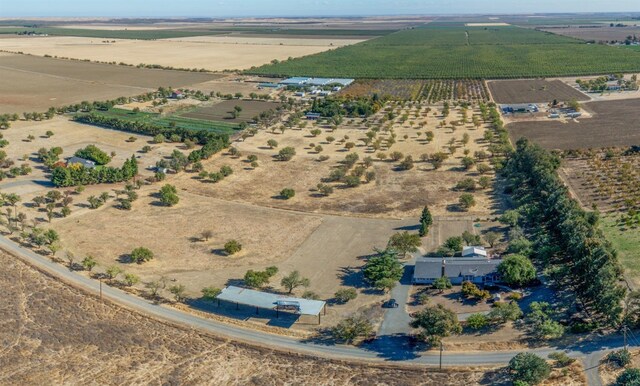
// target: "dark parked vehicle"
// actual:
[[391, 303]]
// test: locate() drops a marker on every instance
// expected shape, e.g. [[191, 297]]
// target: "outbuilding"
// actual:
[[81, 161]]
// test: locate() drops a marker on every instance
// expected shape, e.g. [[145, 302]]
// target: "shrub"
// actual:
[[351, 328], [477, 321], [168, 195], [468, 184], [232, 247], [141, 254], [287, 193], [226, 171], [561, 358], [619, 358], [466, 201], [286, 153], [629, 377], [345, 294], [529, 368]]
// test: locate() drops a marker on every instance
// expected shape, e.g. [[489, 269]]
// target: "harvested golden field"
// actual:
[[31, 83], [55, 334], [212, 53]]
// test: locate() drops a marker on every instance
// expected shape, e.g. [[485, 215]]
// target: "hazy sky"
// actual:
[[221, 8]]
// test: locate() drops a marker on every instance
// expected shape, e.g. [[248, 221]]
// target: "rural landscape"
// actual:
[[338, 200]]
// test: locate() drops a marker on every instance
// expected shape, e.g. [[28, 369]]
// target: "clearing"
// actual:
[[614, 123], [533, 91]]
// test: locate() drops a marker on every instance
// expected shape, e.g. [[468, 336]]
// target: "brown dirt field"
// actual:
[[533, 91], [222, 111], [394, 194], [604, 33], [614, 123], [212, 54], [53, 333], [33, 83]]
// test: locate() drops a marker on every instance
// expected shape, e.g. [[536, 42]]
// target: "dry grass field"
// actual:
[[533, 91], [394, 193], [614, 123], [32, 83], [56, 334], [211, 53], [71, 136]]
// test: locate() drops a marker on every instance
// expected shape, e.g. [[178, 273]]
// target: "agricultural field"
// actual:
[[614, 123], [224, 111], [533, 91], [609, 180], [601, 33], [54, 325], [453, 52], [33, 83], [213, 53], [186, 122], [432, 91]]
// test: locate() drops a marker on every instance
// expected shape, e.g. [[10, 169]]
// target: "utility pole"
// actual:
[[624, 332], [441, 349], [101, 288]]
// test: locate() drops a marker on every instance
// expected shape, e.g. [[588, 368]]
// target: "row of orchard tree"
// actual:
[[567, 240]]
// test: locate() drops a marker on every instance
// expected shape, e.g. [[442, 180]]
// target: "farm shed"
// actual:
[[81, 161], [269, 301], [475, 270], [519, 108], [471, 251]]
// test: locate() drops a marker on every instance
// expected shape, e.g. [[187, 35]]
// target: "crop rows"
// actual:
[[440, 90], [440, 53]]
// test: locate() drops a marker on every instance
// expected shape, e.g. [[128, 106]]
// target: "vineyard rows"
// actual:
[[445, 53]]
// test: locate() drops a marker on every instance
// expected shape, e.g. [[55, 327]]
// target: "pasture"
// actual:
[[614, 123], [533, 91], [454, 52]]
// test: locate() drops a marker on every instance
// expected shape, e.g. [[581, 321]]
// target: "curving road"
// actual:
[[387, 348]]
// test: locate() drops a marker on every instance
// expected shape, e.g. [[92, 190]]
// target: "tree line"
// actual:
[[567, 240]]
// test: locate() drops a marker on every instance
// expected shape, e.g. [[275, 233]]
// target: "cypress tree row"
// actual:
[[567, 239]]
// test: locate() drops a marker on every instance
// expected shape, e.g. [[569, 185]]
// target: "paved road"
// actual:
[[390, 348]]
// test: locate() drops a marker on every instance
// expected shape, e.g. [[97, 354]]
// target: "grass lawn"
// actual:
[[627, 243]]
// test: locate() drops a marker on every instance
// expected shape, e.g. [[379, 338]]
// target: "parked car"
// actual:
[[391, 303]]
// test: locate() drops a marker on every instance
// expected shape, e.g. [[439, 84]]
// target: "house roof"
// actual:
[[84, 162], [269, 301], [428, 267], [470, 266], [431, 267]]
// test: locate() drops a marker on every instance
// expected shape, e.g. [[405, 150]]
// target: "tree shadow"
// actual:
[[219, 252], [396, 347]]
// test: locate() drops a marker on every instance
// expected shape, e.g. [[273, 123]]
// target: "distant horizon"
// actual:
[[537, 14], [306, 8]]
